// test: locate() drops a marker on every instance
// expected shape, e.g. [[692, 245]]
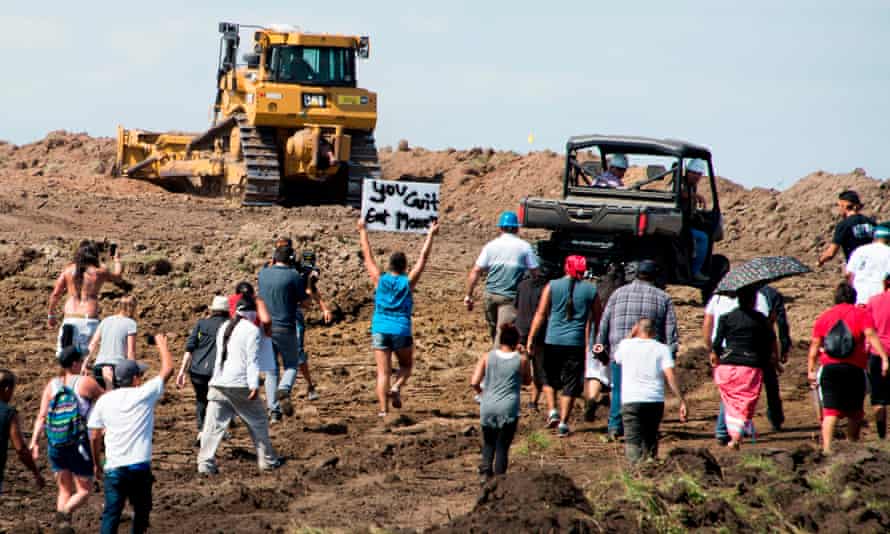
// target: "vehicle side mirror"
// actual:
[[364, 47], [252, 60]]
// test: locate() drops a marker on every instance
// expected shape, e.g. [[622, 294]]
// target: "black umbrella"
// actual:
[[760, 271]]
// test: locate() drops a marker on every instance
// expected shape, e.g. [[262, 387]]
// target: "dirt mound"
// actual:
[[790, 490], [531, 501], [60, 153]]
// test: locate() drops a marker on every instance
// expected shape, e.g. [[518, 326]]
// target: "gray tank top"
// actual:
[[500, 394]]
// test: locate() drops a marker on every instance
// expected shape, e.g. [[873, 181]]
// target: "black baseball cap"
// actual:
[[647, 267], [126, 370], [69, 355], [850, 196]]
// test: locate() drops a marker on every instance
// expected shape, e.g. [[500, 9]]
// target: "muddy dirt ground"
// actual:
[[346, 469]]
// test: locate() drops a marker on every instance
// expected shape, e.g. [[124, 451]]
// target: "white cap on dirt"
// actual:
[[619, 161], [696, 165]]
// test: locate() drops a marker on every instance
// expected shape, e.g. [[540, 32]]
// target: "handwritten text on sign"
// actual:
[[399, 206]]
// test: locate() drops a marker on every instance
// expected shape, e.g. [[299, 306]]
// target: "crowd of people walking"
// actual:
[[613, 342]]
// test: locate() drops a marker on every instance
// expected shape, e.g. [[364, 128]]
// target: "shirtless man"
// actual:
[[81, 280]]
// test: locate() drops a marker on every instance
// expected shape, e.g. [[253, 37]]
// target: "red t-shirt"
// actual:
[[879, 307], [233, 302], [858, 320]]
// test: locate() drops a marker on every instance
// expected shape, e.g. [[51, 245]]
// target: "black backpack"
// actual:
[[839, 342]]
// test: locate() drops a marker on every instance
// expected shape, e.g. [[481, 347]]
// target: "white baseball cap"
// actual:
[[219, 303]]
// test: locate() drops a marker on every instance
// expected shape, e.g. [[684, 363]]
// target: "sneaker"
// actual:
[[274, 417], [590, 410], [563, 430], [395, 398], [283, 397], [552, 419], [722, 440], [208, 470], [312, 395], [614, 435], [273, 465]]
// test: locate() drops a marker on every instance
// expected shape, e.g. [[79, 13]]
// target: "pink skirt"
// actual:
[[739, 390]]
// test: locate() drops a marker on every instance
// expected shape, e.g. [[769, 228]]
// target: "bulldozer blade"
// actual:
[[204, 141]]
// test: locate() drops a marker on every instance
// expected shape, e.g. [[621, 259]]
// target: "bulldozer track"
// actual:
[[363, 165], [262, 179]]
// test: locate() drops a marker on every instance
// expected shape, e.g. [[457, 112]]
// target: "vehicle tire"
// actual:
[[718, 268]]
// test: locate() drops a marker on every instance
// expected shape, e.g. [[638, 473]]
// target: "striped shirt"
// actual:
[[632, 302]]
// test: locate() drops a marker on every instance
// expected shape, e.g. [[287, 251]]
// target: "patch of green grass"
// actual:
[[257, 249], [538, 440], [820, 483], [520, 450], [694, 490], [756, 461]]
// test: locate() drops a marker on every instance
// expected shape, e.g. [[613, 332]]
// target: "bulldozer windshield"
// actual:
[[309, 65]]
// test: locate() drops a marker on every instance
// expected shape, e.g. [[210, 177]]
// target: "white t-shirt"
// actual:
[[869, 264], [128, 416], [114, 332], [643, 362], [721, 305], [506, 259]]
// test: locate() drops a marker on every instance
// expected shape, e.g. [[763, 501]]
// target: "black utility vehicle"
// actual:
[[650, 217]]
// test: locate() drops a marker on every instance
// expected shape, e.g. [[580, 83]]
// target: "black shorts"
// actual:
[[880, 385], [842, 388], [564, 369]]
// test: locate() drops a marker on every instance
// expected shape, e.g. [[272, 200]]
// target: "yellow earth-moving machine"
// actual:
[[290, 125]]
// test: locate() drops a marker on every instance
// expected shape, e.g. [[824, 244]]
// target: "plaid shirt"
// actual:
[[628, 304], [777, 310]]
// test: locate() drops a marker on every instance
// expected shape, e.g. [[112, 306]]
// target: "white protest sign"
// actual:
[[399, 206]]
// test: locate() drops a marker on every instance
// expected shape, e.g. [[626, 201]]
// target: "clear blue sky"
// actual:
[[775, 89]]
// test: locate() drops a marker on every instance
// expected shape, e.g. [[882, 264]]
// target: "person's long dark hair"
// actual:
[[246, 303], [87, 255]]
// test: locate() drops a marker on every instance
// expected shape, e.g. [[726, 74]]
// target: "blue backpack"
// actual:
[[65, 425]]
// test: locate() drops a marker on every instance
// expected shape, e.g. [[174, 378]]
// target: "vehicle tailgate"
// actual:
[[587, 216]]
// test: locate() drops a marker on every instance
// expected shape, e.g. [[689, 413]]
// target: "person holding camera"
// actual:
[[284, 291]]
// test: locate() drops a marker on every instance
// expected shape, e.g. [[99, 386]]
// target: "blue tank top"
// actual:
[[393, 306], [560, 329]]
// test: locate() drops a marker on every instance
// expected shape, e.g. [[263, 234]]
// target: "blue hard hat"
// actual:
[[508, 219]]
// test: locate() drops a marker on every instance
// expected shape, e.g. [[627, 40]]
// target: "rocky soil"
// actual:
[[348, 471]]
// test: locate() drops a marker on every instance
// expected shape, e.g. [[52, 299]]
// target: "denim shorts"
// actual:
[[390, 342], [75, 458]]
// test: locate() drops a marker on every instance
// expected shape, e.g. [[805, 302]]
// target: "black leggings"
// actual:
[[201, 385], [495, 446]]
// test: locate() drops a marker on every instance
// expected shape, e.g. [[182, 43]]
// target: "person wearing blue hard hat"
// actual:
[[505, 259], [869, 265], [614, 175]]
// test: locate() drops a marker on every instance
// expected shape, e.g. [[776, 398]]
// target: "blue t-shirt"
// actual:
[[282, 289], [393, 305], [560, 329]]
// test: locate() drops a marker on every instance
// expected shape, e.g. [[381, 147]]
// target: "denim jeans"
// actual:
[[127, 484], [496, 447], [774, 411], [289, 344], [641, 420], [700, 252], [616, 425]]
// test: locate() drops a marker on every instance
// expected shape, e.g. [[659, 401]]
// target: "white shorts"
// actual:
[[83, 333], [594, 369]]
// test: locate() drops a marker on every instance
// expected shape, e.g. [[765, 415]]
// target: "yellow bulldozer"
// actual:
[[290, 125]]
